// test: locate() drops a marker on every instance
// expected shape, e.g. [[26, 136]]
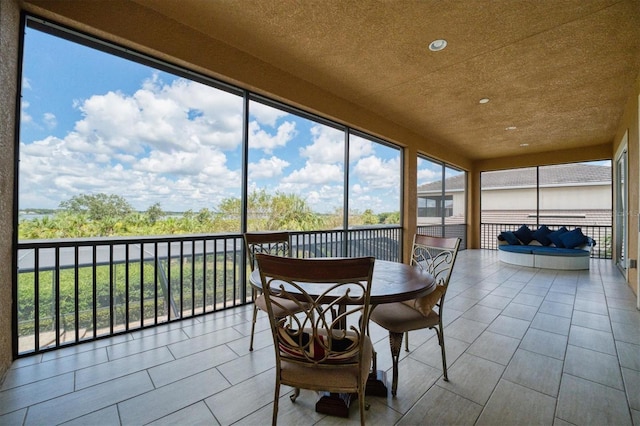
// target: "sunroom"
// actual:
[[516, 86]]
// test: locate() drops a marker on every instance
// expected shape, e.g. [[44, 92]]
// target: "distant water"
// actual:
[[31, 216]]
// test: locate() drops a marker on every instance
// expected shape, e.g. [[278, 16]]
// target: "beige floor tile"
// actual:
[[545, 343], [14, 418], [83, 402], [625, 332], [535, 371], [145, 343], [105, 417], [528, 299], [196, 414], [589, 320], [632, 386], [465, 330], [494, 301], [508, 326], [512, 404], [482, 314], [624, 316], [558, 297], [201, 343], [441, 407], [121, 367], [33, 393], [555, 308], [473, 378], [629, 355], [596, 340], [494, 347], [595, 366], [430, 354], [592, 306], [520, 311], [175, 370], [414, 379], [162, 401], [583, 402], [47, 369], [551, 323]]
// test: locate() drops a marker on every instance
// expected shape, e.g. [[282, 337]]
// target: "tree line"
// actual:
[[110, 215]]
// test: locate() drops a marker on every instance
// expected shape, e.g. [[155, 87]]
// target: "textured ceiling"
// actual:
[[560, 71]]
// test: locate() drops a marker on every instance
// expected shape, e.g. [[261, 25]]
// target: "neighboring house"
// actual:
[[575, 194]]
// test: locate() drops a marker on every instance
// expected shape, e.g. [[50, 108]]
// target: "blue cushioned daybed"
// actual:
[[545, 248]]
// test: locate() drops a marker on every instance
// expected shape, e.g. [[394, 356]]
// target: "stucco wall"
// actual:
[[9, 26], [559, 198]]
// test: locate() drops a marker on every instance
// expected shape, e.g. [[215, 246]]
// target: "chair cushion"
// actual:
[[399, 317], [295, 344], [331, 377], [289, 306], [425, 304], [524, 234], [541, 235]]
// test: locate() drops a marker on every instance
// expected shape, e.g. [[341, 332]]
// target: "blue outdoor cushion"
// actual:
[[541, 235], [524, 234], [517, 248], [573, 239], [559, 251], [555, 236], [510, 238]]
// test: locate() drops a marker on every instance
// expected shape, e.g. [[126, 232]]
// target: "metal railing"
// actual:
[[602, 235], [75, 290], [446, 231]]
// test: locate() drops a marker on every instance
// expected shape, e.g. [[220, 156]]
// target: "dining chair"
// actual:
[[437, 256], [275, 243], [316, 349]]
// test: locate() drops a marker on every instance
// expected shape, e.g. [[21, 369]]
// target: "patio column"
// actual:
[[409, 201], [9, 42]]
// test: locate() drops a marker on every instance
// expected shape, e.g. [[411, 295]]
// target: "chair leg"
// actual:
[[440, 333], [395, 340], [276, 397], [361, 404], [253, 325], [295, 395], [406, 341]]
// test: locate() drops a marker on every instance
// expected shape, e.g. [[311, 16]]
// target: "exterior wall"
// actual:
[[560, 198], [9, 35]]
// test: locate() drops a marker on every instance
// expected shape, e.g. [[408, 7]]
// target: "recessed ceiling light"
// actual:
[[524, 144], [511, 128], [484, 100], [437, 45]]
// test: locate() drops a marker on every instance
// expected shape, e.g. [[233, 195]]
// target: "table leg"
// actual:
[[335, 404]]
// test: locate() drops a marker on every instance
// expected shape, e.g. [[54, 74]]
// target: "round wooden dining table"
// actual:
[[391, 282]]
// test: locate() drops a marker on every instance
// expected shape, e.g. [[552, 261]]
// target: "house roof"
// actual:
[[561, 175]]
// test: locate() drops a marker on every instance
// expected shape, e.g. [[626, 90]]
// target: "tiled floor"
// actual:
[[525, 346]]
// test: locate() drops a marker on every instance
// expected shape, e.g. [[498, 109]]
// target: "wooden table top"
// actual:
[[391, 282]]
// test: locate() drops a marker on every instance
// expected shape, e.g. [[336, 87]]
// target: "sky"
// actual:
[[95, 123]]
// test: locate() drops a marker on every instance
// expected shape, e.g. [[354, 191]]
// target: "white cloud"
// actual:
[[378, 173], [165, 143], [264, 114], [315, 174], [267, 168], [327, 146], [25, 117], [427, 176], [50, 120], [259, 139]]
